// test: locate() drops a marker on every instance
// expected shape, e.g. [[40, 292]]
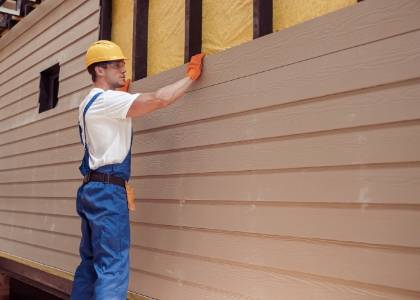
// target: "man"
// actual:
[[106, 133]]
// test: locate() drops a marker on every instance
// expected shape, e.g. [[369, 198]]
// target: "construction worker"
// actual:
[[104, 198]]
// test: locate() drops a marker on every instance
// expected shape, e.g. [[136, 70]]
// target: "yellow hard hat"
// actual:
[[103, 50]]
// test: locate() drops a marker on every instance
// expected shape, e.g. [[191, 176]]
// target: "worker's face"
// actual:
[[114, 74]]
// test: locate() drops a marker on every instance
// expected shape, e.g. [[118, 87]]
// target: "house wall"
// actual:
[[290, 170]]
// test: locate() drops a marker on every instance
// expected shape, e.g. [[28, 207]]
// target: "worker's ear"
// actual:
[[100, 71]]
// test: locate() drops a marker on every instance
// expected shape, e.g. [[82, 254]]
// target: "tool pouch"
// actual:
[[131, 197]]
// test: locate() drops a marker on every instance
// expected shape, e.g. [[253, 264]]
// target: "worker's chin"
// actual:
[[119, 85]]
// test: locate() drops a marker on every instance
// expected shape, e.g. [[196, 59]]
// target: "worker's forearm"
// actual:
[[148, 102], [174, 91]]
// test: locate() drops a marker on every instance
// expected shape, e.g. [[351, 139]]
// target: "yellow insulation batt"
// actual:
[[291, 12], [122, 29], [226, 24], [166, 35]]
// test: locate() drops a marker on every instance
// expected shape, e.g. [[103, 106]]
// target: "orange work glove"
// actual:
[[195, 65], [126, 86]]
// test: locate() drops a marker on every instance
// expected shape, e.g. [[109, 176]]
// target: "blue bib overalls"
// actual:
[[104, 248]]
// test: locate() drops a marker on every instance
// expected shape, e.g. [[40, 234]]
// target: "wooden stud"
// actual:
[[140, 37], [193, 28], [105, 20], [263, 17]]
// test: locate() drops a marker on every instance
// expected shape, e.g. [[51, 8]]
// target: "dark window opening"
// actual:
[[48, 88]]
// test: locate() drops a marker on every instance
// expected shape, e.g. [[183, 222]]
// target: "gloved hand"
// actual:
[[195, 65], [126, 86]]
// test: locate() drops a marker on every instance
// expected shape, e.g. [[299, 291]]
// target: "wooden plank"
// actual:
[[26, 89], [53, 241], [105, 20], [140, 31], [151, 284], [49, 206], [59, 260], [362, 263], [391, 103], [370, 65], [359, 185], [50, 33], [64, 112], [250, 283], [378, 263], [64, 172], [282, 82], [31, 85], [348, 147], [54, 189], [43, 125], [20, 33], [362, 185], [61, 138], [193, 28], [60, 224], [262, 17], [362, 225], [374, 145], [383, 144], [81, 28]]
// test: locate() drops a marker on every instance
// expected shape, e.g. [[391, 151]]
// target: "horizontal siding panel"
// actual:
[[151, 285], [83, 28], [383, 266], [59, 260], [365, 225], [375, 106], [64, 56], [64, 137], [362, 263], [49, 206], [50, 36], [244, 281], [26, 89], [53, 189], [374, 145], [362, 185], [378, 105], [48, 14], [55, 119], [60, 224], [377, 63], [377, 145], [19, 107], [55, 242], [358, 185], [344, 67], [60, 172]]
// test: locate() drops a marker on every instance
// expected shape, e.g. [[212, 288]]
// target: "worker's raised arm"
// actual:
[[148, 102]]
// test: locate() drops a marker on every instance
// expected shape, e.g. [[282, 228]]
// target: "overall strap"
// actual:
[[84, 114]]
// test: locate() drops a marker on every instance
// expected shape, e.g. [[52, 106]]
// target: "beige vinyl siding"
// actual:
[[284, 173]]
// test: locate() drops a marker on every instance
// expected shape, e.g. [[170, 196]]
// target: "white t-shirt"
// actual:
[[108, 131]]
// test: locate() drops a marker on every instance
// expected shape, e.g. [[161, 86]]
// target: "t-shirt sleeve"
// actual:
[[115, 104]]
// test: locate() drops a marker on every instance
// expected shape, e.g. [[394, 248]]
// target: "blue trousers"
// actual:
[[103, 273]]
